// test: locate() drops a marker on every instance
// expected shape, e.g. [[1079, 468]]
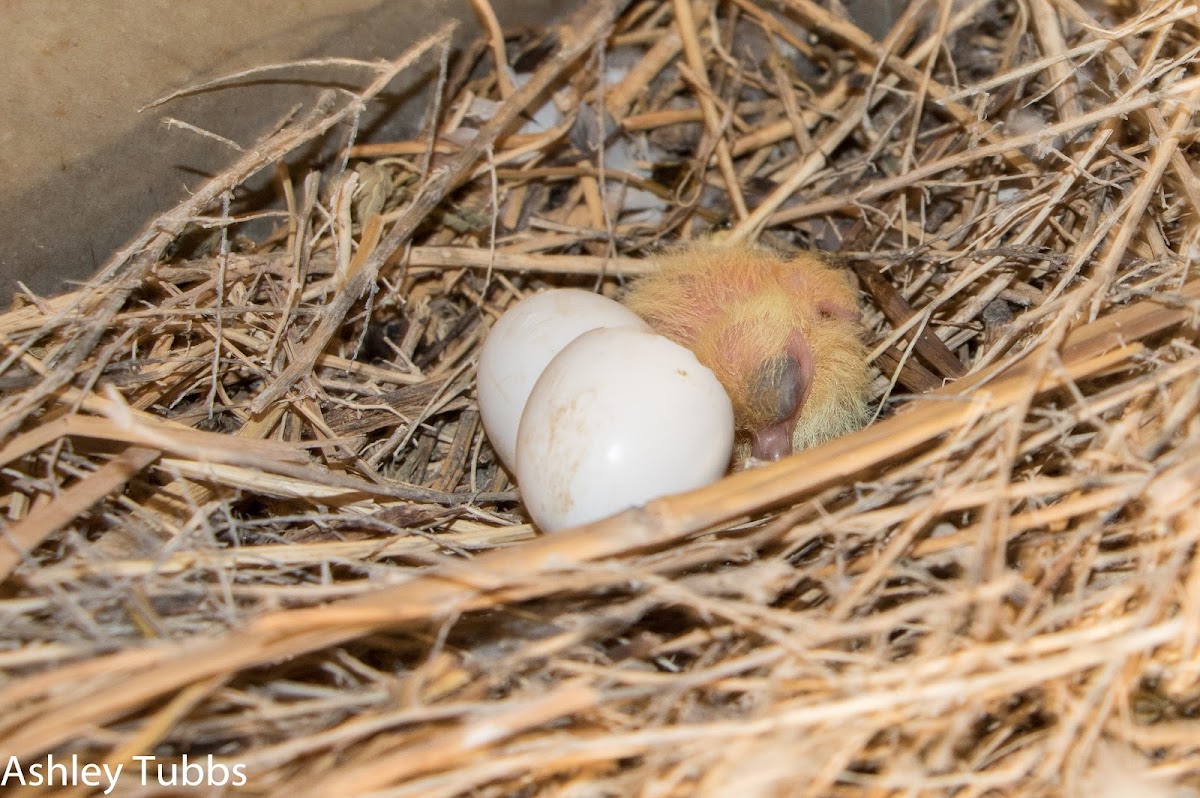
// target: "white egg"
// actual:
[[520, 345], [621, 416]]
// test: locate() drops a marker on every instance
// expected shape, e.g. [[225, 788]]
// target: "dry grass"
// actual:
[[251, 513]]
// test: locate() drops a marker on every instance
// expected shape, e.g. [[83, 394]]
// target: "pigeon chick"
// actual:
[[782, 335]]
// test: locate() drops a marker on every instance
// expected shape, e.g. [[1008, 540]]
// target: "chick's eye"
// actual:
[[832, 310]]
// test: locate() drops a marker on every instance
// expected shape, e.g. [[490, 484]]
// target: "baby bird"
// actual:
[[783, 336]]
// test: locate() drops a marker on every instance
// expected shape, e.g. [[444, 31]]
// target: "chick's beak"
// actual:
[[772, 443]]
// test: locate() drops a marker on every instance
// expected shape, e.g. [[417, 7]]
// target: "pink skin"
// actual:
[[775, 440]]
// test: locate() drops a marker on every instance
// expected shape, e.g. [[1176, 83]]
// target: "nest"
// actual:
[[252, 520]]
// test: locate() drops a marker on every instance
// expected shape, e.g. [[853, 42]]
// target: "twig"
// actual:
[[31, 530], [496, 37], [686, 24], [577, 36]]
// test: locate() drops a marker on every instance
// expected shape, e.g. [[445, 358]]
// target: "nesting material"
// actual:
[[250, 512]]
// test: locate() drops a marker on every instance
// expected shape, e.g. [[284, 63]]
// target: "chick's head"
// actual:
[[782, 335]]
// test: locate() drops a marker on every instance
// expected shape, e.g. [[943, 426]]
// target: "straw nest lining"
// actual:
[[250, 511]]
